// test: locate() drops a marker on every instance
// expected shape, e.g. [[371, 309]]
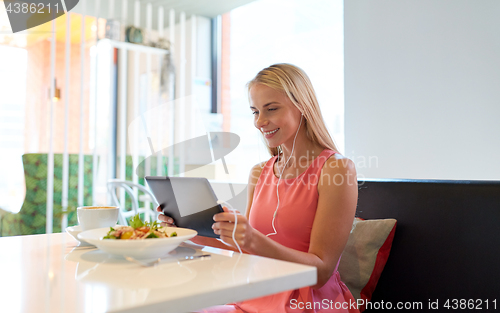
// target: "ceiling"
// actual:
[[206, 8], [113, 8]]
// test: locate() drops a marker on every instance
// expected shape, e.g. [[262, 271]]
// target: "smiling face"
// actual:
[[274, 115]]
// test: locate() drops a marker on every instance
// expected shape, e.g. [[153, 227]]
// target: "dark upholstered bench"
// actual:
[[447, 240]]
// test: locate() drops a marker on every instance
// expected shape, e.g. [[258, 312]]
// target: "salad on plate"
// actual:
[[138, 230]]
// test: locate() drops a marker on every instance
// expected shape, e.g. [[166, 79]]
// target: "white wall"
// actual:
[[422, 88]]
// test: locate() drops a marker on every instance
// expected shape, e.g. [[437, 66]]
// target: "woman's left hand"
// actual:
[[224, 225]]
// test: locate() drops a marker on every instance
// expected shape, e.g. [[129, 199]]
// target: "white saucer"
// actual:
[[74, 231], [139, 249]]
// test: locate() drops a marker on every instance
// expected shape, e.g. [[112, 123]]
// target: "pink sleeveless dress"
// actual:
[[293, 222]]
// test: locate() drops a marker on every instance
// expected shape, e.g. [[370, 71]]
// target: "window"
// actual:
[[307, 34], [25, 80], [12, 118]]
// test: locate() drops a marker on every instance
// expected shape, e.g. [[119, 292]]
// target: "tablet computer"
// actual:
[[190, 201]]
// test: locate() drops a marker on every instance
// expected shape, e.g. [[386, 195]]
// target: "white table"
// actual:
[[49, 273]]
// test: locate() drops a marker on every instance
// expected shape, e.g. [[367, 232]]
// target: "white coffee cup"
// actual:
[[91, 217]]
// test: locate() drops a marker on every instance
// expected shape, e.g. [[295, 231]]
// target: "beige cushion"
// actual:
[[365, 255]]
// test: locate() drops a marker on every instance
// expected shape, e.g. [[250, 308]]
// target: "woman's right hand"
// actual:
[[165, 220]]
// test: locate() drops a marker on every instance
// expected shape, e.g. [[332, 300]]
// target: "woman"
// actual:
[[301, 202]]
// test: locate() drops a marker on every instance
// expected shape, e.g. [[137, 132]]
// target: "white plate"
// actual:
[[139, 249], [74, 231]]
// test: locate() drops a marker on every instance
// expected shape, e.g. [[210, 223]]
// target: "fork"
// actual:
[[149, 264], [143, 264]]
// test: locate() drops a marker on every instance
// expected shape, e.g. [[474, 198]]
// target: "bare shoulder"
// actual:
[[338, 169], [255, 173], [337, 163], [252, 182]]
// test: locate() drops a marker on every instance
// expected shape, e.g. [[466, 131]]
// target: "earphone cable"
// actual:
[[281, 174], [230, 207]]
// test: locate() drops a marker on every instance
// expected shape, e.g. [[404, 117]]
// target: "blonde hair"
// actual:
[[295, 83]]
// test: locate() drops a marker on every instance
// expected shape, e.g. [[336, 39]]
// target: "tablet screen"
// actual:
[[190, 201]]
